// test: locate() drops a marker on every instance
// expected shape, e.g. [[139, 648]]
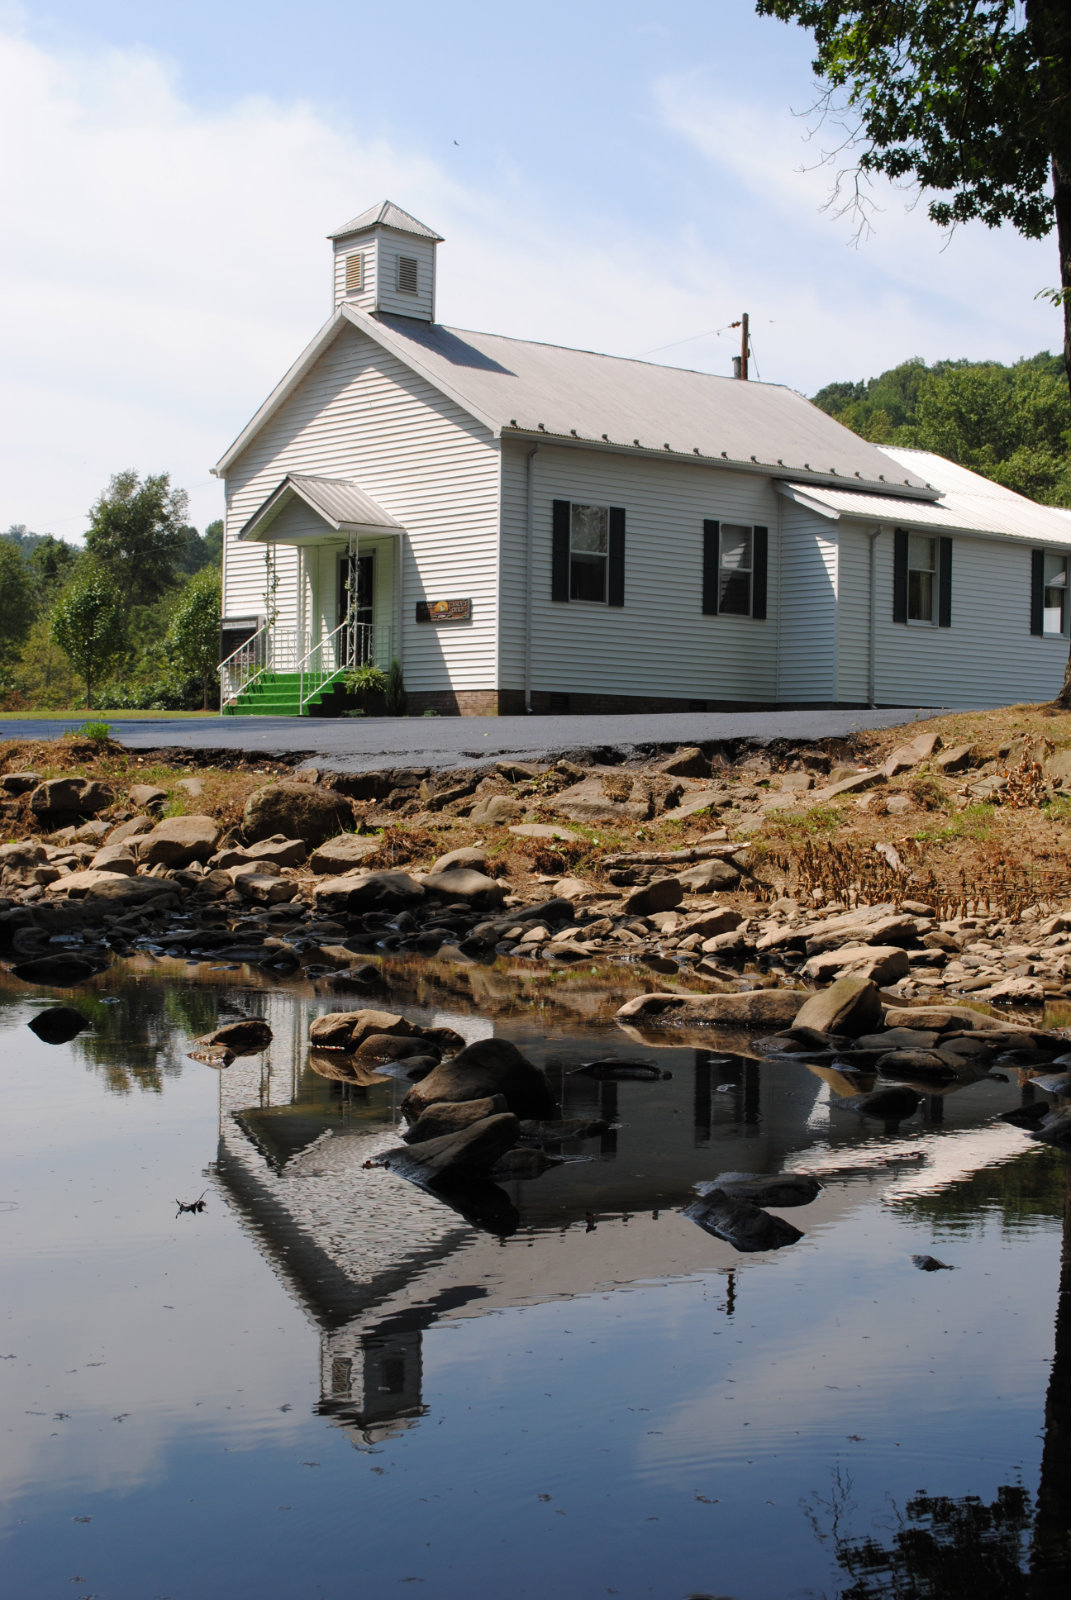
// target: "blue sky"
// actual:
[[624, 177]]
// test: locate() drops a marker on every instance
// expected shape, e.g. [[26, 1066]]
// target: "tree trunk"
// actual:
[[1061, 188]]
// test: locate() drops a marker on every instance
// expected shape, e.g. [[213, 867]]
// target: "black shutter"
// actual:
[[711, 531], [899, 576], [758, 580], [1037, 591], [559, 552], [944, 583], [615, 586]]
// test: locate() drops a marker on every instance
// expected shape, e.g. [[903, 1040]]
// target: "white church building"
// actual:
[[528, 527]]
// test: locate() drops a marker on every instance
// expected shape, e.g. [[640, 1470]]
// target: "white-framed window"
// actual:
[[407, 275], [921, 578], [1054, 612], [589, 547], [736, 567], [355, 272]]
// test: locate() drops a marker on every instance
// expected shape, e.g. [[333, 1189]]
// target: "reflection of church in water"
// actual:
[[375, 1261]]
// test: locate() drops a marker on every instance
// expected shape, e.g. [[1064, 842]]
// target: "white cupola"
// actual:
[[385, 261]]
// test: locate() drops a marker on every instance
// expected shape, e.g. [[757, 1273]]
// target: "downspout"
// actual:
[[871, 663], [528, 562]]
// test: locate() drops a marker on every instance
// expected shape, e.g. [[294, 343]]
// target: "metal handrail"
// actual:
[[352, 644], [267, 650]]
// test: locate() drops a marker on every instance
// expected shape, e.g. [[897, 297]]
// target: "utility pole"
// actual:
[[740, 361]]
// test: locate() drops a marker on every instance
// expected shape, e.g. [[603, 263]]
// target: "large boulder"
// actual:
[[58, 1025], [66, 797], [347, 1030], [277, 851], [343, 854], [471, 856], [368, 891], [488, 1067], [470, 1152], [942, 1019], [115, 858], [708, 877], [753, 1008], [177, 841], [495, 809], [465, 883], [451, 1116], [880, 963], [850, 1006], [661, 895], [778, 1189], [246, 1037], [297, 810]]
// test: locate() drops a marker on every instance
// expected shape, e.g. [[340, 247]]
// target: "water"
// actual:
[[330, 1384]]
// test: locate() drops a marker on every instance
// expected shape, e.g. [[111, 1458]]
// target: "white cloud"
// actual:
[[164, 264]]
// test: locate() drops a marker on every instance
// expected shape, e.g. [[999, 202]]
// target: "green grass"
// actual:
[[103, 716], [816, 820], [973, 822]]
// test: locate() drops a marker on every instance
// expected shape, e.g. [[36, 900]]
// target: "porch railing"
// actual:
[[268, 650], [353, 644]]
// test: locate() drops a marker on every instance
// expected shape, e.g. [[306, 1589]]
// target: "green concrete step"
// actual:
[[277, 694]]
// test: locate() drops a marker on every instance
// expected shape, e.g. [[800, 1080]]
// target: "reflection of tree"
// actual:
[[1027, 1187], [143, 1040], [1051, 1557], [941, 1548]]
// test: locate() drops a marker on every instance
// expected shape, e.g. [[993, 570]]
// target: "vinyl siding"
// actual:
[[808, 644], [361, 414], [853, 615], [381, 250], [988, 656], [659, 643]]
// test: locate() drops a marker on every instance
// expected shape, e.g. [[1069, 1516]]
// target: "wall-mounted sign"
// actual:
[[444, 610]]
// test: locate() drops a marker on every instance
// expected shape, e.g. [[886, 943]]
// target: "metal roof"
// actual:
[[342, 504], [537, 388], [968, 503], [387, 215]]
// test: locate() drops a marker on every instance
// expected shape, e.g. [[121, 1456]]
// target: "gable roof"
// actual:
[[387, 215], [340, 502], [613, 402], [968, 503]]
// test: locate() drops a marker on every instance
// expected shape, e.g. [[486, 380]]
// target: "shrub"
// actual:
[[394, 693]]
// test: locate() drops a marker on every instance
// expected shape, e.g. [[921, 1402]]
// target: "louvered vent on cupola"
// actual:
[[407, 275], [355, 273]]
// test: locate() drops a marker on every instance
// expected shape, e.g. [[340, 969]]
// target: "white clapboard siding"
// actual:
[[853, 615], [659, 643], [988, 656], [360, 414], [808, 634]]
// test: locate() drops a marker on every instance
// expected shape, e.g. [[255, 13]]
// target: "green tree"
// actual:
[[51, 562], [88, 625], [138, 532], [193, 636], [971, 98], [16, 599]]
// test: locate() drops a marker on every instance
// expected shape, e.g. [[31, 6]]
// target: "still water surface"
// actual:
[[329, 1384]]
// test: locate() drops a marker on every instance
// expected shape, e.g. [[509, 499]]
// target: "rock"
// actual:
[[882, 964], [368, 891], [394, 1047], [343, 854], [897, 1039], [687, 762], [277, 851], [451, 1116], [914, 1064], [707, 877], [661, 895], [908, 755], [64, 797], [889, 1105], [930, 1264], [115, 858], [573, 888], [1025, 991], [754, 1008], [264, 888], [709, 924], [864, 930], [19, 782], [488, 1067], [131, 829], [745, 1226], [58, 1025], [464, 883], [298, 811], [246, 1037], [177, 841], [346, 1030], [588, 801], [495, 809], [64, 971], [76, 885], [956, 759], [705, 800], [780, 1189], [1057, 1083], [146, 795], [940, 1019], [471, 1150], [471, 856], [1055, 1128], [543, 830], [116, 887], [191, 786], [853, 784], [850, 1005]]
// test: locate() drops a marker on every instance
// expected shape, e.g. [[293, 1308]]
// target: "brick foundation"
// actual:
[[510, 703], [467, 703]]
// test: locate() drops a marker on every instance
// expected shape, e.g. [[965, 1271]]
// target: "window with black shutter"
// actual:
[[735, 564], [1048, 592], [922, 579], [588, 553]]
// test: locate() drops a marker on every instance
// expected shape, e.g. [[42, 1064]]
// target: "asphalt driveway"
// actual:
[[358, 744]]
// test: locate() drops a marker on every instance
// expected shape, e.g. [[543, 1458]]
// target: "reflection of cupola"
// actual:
[[385, 261]]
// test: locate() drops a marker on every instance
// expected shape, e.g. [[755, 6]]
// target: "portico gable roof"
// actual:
[[339, 502]]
